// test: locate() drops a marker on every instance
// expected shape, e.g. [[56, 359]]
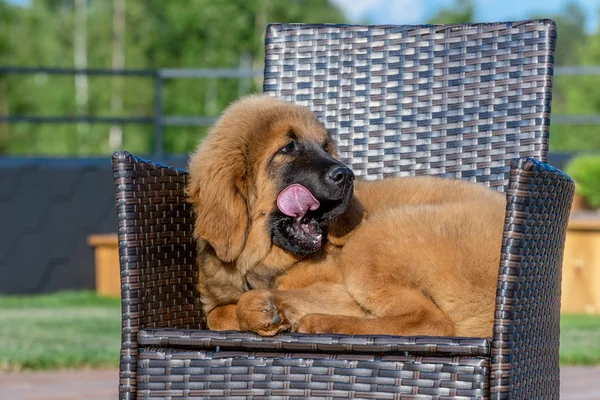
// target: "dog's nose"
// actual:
[[340, 175]]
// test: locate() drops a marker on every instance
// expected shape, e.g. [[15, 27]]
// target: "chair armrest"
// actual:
[[159, 274], [527, 319]]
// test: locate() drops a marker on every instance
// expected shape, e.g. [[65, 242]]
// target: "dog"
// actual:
[[288, 240]]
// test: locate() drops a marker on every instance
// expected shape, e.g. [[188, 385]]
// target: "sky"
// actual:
[[398, 12]]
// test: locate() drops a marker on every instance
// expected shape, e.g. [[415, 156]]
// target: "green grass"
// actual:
[[64, 330], [80, 329], [580, 339], [59, 300]]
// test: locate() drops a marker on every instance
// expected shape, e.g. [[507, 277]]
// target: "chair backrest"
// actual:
[[452, 100]]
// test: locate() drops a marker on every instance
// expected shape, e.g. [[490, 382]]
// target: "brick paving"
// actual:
[[577, 383]]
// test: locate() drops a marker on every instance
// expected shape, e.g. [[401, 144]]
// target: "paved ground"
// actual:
[[577, 383], [580, 383], [62, 385]]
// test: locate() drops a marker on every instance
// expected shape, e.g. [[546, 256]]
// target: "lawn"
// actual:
[[64, 330], [80, 329], [580, 339]]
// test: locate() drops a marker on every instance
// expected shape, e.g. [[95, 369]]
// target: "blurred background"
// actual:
[[226, 38], [80, 79]]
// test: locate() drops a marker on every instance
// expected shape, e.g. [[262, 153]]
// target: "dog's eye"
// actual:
[[289, 148]]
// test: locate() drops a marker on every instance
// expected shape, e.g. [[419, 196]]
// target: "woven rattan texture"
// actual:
[[452, 100], [445, 346], [527, 327], [178, 374], [159, 279]]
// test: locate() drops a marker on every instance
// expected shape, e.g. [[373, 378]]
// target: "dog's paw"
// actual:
[[259, 311], [317, 323]]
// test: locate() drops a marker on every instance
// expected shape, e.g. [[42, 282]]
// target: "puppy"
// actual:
[[288, 240]]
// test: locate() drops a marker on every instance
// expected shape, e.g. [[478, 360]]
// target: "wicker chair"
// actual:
[[460, 101]]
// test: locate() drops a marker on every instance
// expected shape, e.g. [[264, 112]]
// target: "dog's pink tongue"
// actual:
[[295, 201]]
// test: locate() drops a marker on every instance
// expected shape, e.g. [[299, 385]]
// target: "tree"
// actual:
[[115, 138], [575, 95], [80, 61], [5, 48], [572, 36], [159, 34], [460, 12]]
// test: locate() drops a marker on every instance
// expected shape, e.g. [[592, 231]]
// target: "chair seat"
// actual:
[[176, 363], [380, 344]]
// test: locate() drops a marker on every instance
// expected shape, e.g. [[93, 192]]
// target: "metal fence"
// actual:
[[159, 120]]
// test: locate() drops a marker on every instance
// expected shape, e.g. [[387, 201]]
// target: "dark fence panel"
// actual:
[[48, 208]]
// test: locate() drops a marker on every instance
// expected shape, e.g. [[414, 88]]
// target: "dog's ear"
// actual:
[[218, 192]]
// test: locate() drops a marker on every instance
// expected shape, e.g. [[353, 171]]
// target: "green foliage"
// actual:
[[204, 34], [571, 32], [158, 34], [460, 12], [575, 95], [579, 339], [585, 171], [574, 138]]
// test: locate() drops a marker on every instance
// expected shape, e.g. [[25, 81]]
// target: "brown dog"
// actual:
[[288, 241]]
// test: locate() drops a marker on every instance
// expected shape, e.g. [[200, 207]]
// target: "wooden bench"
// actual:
[[581, 266], [106, 255]]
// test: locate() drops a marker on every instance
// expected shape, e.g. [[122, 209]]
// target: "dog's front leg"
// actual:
[[265, 312], [269, 312]]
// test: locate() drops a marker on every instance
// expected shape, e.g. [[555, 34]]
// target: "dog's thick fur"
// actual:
[[406, 256]]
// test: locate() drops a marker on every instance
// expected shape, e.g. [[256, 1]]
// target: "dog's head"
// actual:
[[267, 174]]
